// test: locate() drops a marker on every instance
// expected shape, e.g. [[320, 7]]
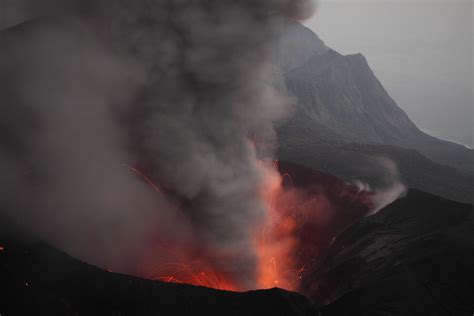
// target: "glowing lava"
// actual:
[[195, 273], [274, 243], [285, 243], [277, 242]]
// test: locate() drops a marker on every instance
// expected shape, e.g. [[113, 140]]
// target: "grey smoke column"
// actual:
[[184, 87], [208, 93]]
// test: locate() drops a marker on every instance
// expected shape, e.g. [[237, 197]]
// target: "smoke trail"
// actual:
[[179, 87], [392, 189], [388, 187]]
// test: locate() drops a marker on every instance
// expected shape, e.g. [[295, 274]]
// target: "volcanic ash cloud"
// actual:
[[181, 88]]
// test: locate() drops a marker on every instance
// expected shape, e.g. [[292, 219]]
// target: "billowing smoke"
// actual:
[[180, 89]]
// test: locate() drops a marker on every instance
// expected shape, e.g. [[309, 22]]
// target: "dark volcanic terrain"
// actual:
[[36, 279], [415, 257]]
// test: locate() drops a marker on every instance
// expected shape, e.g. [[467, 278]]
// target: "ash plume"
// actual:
[[183, 89]]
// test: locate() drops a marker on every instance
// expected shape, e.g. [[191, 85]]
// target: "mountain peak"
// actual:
[[296, 45], [341, 101]]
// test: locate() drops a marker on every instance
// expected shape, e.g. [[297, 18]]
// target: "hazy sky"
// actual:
[[421, 51]]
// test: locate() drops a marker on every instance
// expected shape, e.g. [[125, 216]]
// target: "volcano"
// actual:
[[139, 175]]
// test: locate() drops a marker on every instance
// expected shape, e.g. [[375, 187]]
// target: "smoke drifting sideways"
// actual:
[[181, 89], [389, 186]]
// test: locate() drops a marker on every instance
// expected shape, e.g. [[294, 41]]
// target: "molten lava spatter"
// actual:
[[194, 273], [286, 242], [276, 243], [147, 179]]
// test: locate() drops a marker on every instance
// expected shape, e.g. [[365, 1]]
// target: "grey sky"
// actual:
[[421, 51]]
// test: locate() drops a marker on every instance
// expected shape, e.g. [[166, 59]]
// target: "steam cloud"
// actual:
[[390, 186], [392, 189], [181, 89]]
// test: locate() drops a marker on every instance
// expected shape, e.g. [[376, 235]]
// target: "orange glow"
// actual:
[[285, 242], [276, 241], [195, 273]]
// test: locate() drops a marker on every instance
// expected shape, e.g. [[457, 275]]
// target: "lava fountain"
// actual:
[[274, 241]]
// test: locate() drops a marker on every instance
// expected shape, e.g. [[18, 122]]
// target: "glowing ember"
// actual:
[[274, 243], [1, 248], [194, 273], [277, 242], [139, 173], [284, 243]]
